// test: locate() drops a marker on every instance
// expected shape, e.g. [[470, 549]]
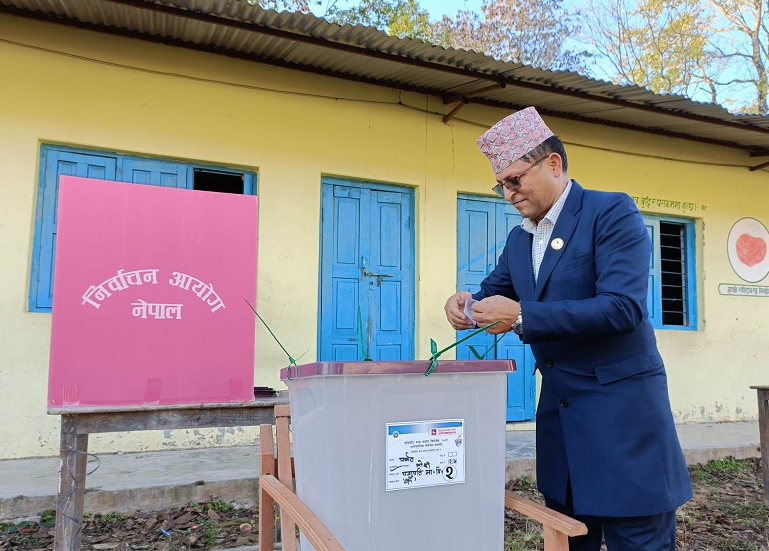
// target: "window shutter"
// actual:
[[55, 163]]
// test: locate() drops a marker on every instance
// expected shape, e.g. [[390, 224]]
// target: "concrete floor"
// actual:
[[127, 482]]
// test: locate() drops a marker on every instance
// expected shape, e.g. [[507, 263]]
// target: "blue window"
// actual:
[[58, 161], [672, 275]]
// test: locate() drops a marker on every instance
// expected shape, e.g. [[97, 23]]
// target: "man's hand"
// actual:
[[455, 311], [495, 308]]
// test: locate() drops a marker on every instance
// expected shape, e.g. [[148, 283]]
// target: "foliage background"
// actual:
[[713, 51]]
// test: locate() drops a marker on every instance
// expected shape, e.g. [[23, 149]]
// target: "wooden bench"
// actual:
[[763, 429], [77, 423], [272, 489]]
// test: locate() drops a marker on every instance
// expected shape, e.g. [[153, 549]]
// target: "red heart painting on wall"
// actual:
[[750, 250], [747, 247]]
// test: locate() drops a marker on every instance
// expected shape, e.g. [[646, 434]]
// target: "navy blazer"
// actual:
[[603, 419]]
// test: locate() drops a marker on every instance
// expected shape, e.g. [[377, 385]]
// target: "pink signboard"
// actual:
[[149, 296]]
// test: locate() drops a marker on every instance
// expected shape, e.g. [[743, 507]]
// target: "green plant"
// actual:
[[197, 507], [716, 469], [221, 505], [512, 545], [25, 541], [698, 473], [48, 518], [526, 535], [210, 535], [727, 464], [748, 509], [103, 520], [526, 483], [14, 528], [18, 535], [112, 518]]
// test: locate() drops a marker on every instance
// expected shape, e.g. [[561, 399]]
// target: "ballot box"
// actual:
[[389, 458]]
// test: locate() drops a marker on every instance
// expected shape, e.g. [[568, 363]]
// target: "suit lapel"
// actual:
[[564, 228], [521, 270]]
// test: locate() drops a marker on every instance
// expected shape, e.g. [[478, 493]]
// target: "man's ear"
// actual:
[[555, 163]]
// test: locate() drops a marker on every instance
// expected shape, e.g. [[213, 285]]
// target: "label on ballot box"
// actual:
[[425, 453]]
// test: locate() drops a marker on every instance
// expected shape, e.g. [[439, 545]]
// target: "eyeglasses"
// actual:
[[515, 181]]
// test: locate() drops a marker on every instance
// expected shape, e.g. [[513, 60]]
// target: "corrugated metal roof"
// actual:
[[307, 42]]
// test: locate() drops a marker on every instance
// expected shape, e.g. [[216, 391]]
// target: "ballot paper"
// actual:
[[469, 310]]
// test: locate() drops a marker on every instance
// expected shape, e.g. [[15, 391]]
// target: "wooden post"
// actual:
[[285, 474], [763, 429], [73, 460], [266, 503], [318, 535], [555, 540]]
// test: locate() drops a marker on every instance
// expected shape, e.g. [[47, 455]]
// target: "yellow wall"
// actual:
[[93, 91]]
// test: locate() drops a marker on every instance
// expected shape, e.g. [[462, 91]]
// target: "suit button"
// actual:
[[549, 363], [564, 403]]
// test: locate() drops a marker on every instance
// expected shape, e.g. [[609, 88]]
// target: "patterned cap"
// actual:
[[513, 137]]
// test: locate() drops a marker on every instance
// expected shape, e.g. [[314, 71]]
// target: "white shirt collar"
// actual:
[[552, 215]]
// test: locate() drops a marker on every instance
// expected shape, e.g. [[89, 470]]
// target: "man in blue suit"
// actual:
[[572, 282]]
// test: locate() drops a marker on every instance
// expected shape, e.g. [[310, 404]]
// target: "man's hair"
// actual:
[[551, 145]]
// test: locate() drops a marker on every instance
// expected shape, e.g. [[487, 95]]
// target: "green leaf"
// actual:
[[475, 353], [360, 335], [436, 352], [433, 365], [291, 361]]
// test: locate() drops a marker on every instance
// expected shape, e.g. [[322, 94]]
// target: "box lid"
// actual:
[[416, 367]]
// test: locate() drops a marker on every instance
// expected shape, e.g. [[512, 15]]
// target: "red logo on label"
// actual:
[[433, 432]]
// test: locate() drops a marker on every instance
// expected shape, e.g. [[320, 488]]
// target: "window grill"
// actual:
[[674, 292]]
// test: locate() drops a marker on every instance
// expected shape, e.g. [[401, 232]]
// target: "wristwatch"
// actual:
[[518, 324]]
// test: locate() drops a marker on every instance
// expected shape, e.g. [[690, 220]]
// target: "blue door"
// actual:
[[482, 228], [367, 272]]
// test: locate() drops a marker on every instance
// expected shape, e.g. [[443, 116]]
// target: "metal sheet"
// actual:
[[307, 42]]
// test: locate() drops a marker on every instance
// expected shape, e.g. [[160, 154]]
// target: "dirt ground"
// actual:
[[727, 513]]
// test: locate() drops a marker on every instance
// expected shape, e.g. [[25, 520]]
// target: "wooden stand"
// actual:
[[78, 423], [763, 429]]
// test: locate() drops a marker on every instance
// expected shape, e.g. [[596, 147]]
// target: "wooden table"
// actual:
[[763, 429], [78, 423]]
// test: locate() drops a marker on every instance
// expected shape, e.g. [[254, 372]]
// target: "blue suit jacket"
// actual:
[[603, 419]]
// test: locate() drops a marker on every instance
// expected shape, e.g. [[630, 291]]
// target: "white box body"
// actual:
[[339, 430]]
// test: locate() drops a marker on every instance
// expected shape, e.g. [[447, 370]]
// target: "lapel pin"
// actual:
[[557, 243]]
